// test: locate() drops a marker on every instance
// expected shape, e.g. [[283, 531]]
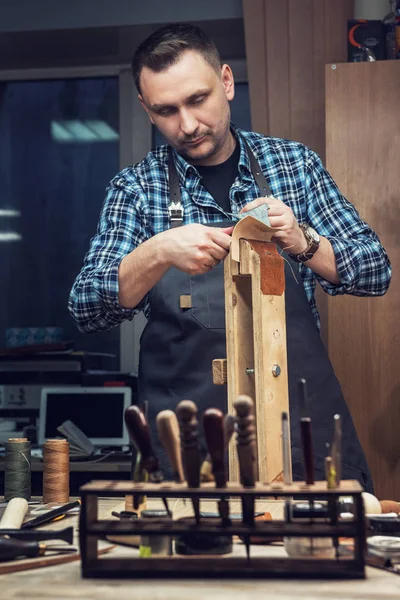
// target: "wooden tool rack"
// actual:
[[177, 566]]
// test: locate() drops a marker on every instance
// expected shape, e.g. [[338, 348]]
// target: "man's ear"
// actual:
[[142, 102], [228, 81]]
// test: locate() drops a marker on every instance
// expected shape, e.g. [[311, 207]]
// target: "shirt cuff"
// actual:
[[348, 259], [106, 286]]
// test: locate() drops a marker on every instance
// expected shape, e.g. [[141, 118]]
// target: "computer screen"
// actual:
[[97, 411]]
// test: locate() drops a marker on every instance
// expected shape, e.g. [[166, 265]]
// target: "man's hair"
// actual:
[[165, 46]]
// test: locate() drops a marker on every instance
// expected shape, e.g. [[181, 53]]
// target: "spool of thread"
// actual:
[[56, 471], [17, 477]]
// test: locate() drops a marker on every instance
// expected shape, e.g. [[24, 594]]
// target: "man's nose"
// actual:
[[189, 123]]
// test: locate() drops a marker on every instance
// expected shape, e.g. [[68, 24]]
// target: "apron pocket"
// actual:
[[208, 298]]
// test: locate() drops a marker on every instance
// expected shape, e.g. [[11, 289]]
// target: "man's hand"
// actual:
[[195, 248], [289, 237]]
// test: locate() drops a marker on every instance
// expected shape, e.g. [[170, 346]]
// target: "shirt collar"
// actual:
[[185, 170]]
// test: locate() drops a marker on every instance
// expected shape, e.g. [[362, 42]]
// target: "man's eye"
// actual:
[[165, 112], [198, 100]]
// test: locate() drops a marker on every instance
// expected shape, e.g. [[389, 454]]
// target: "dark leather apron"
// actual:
[[179, 345]]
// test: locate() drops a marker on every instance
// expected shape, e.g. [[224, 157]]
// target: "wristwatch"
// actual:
[[313, 240]]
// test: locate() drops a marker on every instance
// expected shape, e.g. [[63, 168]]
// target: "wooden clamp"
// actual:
[[256, 363]]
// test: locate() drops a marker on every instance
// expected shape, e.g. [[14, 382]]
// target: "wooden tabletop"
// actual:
[[64, 582]]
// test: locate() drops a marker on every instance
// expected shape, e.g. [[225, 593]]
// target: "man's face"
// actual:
[[189, 104]]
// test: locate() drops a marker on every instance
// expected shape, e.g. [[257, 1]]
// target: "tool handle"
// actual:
[[52, 514], [14, 514], [213, 425], [39, 535], [229, 428], [168, 432], [139, 433], [246, 440], [189, 427], [10, 549], [308, 452]]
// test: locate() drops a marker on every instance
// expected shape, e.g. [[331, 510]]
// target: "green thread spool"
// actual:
[[17, 477]]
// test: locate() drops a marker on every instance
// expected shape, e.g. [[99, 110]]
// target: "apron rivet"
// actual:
[[250, 371]]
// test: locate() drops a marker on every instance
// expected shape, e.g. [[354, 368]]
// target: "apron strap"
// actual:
[[175, 207]]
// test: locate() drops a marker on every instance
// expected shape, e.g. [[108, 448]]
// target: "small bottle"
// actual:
[[155, 545]]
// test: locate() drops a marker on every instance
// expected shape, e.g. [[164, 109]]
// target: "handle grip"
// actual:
[[168, 432], [139, 433], [14, 514], [213, 424]]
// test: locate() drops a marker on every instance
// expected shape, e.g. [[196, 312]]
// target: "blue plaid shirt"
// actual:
[[136, 208]]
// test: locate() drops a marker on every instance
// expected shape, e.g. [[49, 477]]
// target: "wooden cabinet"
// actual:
[[363, 334]]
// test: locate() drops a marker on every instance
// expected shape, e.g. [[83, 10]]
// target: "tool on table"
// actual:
[[191, 456], [286, 459], [206, 468], [52, 514], [11, 549], [306, 433], [14, 514], [168, 432], [213, 424], [139, 432], [330, 473], [66, 535], [247, 453], [337, 448]]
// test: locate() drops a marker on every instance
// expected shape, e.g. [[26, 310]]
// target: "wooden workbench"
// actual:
[[64, 582]]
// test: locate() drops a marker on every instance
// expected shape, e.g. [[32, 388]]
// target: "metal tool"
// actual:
[[306, 433], [139, 432], [206, 468], [337, 448], [247, 453], [168, 432], [191, 456], [213, 425], [51, 514], [66, 535], [11, 549], [308, 452]]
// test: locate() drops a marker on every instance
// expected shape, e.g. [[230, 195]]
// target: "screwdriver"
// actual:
[[186, 412], [11, 549], [213, 425]]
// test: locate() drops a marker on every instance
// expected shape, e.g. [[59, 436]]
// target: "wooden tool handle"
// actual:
[[139, 432], [308, 452], [229, 428], [246, 439], [168, 432], [11, 549], [14, 514], [189, 426], [213, 424]]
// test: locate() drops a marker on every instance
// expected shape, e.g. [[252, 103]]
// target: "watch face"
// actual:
[[313, 234]]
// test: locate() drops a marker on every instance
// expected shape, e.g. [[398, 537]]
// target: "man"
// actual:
[[139, 261]]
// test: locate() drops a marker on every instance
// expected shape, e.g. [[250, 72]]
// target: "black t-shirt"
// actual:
[[217, 179]]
